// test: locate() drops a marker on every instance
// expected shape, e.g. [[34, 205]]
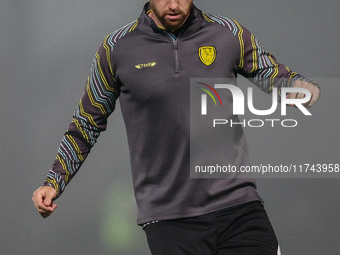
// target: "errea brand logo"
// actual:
[[141, 66]]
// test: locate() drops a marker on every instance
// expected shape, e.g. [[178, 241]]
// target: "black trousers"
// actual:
[[240, 230]]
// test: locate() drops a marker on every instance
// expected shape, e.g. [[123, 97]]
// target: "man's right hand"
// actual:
[[43, 200]]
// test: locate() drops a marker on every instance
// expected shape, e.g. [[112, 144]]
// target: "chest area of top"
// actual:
[[163, 55]]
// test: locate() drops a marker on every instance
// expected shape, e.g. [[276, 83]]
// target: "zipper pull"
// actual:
[[175, 44]]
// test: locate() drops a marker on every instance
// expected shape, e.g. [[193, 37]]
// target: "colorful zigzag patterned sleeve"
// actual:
[[89, 119], [255, 63], [261, 67]]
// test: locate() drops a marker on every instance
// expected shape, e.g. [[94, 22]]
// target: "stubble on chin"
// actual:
[[168, 24]]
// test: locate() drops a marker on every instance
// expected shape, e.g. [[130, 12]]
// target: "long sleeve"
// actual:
[[261, 67], [255, 63], [89, 120]]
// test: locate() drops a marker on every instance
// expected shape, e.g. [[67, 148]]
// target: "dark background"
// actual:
[[47, 48]]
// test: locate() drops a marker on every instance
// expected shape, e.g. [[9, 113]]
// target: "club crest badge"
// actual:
[[207, 54]]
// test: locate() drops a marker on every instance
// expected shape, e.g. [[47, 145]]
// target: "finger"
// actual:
[[47, 201], [290, 96], [315, 96], [45, 211], [54, 206], [43, 200], [314, 90], [307, 103], [300, 95], [42, 207]]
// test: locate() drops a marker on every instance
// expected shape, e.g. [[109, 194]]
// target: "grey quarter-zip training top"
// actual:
[[149, 69]]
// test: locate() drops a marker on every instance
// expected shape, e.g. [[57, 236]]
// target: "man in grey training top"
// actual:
[[148, 65]]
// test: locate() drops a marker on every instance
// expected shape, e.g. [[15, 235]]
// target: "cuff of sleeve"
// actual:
[[52, 181]]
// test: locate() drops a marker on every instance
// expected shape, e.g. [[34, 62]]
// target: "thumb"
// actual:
[[49, 196], [47, 201]]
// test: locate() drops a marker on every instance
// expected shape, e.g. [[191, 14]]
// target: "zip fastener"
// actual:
[[176, 59], [174, 40]]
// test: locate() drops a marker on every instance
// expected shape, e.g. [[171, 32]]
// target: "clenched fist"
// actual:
[[43, 200]]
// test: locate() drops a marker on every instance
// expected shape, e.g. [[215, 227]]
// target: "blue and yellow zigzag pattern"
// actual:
[[89, 119], [264, 68]]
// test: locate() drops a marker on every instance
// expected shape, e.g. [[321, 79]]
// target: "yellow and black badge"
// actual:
[[207, 54]]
